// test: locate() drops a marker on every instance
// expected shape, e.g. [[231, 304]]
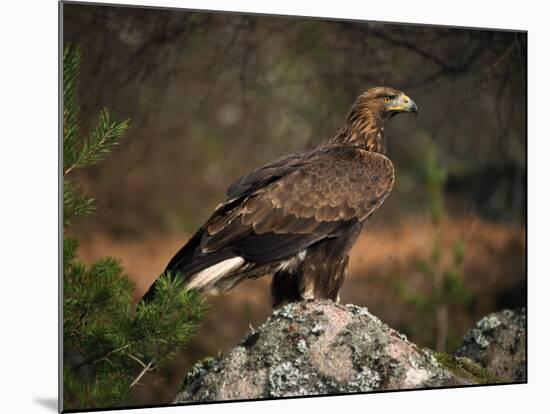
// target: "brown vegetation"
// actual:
[[493, 269]]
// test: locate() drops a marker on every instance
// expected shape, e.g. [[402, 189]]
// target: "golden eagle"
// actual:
[[297, 217]]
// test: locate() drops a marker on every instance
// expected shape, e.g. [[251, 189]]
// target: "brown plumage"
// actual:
[[297, 217]]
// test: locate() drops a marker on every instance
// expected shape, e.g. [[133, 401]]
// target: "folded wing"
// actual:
[[283, 208]]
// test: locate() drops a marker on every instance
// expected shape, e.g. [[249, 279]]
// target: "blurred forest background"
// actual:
[[212, 95]]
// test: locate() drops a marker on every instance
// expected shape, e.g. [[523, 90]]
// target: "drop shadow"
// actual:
[[49, 403]]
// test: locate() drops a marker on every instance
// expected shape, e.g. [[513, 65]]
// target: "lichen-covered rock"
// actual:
[[320, 347], [497, 343]]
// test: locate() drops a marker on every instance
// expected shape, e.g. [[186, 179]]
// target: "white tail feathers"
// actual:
[[211, 274]]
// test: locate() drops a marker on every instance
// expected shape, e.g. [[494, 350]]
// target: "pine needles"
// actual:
[[107, 351]]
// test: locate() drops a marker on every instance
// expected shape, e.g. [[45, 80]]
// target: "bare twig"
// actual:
[[413, 48], [100, 357], [472, 94], [135, 358], [142, 373]]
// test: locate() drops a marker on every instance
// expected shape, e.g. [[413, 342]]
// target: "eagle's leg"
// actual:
[[312, 284], [323, 274], [317, 273], [307, 284], [285, 288], [323, 281], [291, 286]]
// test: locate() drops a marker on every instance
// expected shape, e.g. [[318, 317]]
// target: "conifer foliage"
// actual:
[[106, 349]]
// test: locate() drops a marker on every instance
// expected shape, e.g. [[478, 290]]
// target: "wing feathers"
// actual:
[[223, 238], [331, 186], [280, 210]]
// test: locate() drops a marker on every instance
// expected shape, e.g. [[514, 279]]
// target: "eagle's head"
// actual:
[[384, 102], [364, 126]]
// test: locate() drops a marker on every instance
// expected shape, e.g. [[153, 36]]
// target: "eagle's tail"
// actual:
[[206, 273], [208, 280]]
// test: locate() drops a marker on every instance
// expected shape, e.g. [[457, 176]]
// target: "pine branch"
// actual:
[[74, 203], [103, 139], [105, 347], [71, 107]]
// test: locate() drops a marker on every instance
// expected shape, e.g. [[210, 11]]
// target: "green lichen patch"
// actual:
[[466, 368]]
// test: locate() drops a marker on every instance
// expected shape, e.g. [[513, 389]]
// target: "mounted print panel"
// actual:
[[260, 207]]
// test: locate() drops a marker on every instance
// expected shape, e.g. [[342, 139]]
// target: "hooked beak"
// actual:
[[404, 104]]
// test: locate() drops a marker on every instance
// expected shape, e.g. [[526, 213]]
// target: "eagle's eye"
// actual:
[[387, 99]]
